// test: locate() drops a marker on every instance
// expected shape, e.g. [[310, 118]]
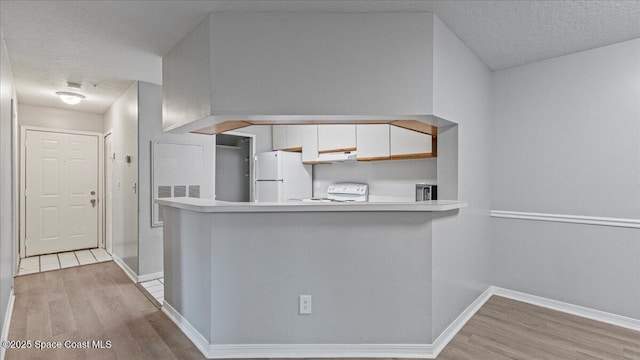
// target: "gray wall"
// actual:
[[7, 183], [40, 116], [264, 63], [566, 141], [370, 284], [150, 129], [136, 121], [462, 240], [122, 117]]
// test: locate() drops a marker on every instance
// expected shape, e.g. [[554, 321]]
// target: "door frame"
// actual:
[[104, 239], [252, 156], [23, 162]]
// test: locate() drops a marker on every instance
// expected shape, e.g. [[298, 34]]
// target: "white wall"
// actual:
[[8, 127], [122, 117], [567, 141], [461, 240], [40, 116], [388, 180]]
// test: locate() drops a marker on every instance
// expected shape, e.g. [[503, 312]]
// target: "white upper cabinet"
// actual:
[[409, 143], [372, 141], [288, 137], [294, 136], [334, 138], [310, 144], [278, 137]]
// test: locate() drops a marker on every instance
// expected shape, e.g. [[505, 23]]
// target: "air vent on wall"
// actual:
[[164, 191], [194, 191], [180, 191]]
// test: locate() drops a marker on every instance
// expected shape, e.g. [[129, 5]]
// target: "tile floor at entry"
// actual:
[[36, 264], [155, 288]]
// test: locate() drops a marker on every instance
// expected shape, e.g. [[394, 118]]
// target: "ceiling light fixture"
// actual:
[[69, 97]]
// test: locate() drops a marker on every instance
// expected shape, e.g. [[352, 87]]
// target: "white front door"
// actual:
[[61, 182]]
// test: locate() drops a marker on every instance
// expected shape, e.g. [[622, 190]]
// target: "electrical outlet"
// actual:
[[305, 304]]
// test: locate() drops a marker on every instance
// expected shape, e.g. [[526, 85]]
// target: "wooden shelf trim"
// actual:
[[416, 126], [413, 156], [337, 150], [222, 127], [373, 158], [292, 149]]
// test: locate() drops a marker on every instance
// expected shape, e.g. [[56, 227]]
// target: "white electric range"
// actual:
[[344, 192]]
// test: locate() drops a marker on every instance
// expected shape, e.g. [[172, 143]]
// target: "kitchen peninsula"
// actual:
[[386, 279], [234, 273]]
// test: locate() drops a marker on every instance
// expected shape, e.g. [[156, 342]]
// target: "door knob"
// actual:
[[93, 202]]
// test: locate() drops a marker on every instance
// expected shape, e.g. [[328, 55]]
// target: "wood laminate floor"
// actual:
[[92, 302], [99, 302]]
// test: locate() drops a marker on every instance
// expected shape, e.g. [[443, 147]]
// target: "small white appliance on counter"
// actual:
[[281, 176], [425, 192]]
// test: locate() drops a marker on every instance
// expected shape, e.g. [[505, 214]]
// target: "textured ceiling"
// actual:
[[113, 43]]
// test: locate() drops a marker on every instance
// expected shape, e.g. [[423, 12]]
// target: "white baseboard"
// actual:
[[457, 324], [7, 322], [425, 351], [194, 335], [130, 273], [602, 316], [149, 277]]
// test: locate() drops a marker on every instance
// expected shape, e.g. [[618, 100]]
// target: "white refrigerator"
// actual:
[[281, 176]]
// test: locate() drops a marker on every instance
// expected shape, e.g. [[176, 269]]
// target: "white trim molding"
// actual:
[[236, 351], [22, 216], [7, 322], [130, 273], [424, 351], [194, 335], [457, 324], [149, 277], [588, 313], [572, 219]]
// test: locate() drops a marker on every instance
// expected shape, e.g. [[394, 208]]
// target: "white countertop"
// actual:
[[215, 206]]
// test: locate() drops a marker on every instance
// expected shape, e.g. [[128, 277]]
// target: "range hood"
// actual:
[[335, 157]]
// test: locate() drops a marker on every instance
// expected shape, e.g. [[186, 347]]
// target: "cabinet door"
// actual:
[[310, 144], [406, 143], [334, 138], [279, 137], [372, 141], [287, 137], [294, 136]]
